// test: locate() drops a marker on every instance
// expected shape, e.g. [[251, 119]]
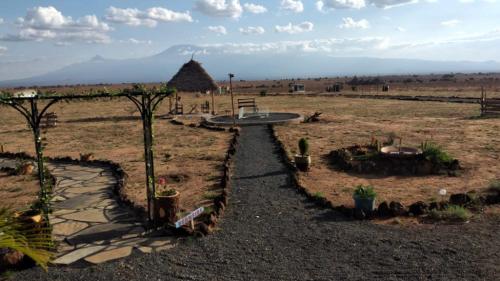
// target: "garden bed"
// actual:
[[367, 159]]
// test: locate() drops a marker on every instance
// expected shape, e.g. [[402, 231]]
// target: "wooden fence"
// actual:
[[489, 107]]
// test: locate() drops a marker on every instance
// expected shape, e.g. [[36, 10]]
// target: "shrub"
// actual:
[[34, 243], [263, 93], [168, 192], [364, 192], [436, 154], [318, 195], [304, 146], [451, 213]]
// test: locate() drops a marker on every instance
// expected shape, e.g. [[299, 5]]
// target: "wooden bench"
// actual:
[[179, 109], [248, 102], [49, 120], [205, 107]]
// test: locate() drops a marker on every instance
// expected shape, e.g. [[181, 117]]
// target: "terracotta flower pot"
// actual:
[[10, 258], [166, 208], [26, 169], [86, 157], [302, 162]]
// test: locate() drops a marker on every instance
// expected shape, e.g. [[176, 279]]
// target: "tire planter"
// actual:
[[166, 208], [302, 162]]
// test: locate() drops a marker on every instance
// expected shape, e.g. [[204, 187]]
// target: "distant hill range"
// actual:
[[257, 66]]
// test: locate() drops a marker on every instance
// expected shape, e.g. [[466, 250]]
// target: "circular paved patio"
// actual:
[[271, 118]]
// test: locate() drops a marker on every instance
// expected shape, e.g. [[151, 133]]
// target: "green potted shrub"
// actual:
[[166, 204], [364, 198], [303, 160]]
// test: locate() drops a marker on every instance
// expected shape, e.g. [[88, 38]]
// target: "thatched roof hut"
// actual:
[[192, 78]]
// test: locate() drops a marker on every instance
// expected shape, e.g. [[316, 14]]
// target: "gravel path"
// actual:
[[271, 232]]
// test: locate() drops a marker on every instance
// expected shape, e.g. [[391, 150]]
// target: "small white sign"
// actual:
[[189, 217]]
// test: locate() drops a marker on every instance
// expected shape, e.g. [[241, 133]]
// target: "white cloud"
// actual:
[[324, 5], [219, 29], [295, 6], [252, 30], [149, 18], [293, 29], [387, 4], [47, 23], [351, 23], [330, 46], [139, 42], [3, 50], [220, 8], [254, 8], [450, 23], [401, 29], [1, 20]]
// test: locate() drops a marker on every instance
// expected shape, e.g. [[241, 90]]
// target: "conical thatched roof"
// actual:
[[192, 78]]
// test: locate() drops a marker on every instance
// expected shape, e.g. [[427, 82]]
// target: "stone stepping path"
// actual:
[[88, 223]]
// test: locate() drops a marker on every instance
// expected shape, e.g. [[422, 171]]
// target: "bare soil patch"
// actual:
[[17, 192]]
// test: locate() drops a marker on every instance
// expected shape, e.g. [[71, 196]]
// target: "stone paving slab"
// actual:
[[109, 255], [79, 254], [104, 232]]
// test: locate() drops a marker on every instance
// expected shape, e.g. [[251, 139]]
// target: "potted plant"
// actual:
[[166, 204], [303, 160], [86, 157], [25, 168], [364, 198]]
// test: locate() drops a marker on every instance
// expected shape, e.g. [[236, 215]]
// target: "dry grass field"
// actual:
[[17, 192], [102, 127], [106, 129], [474, 142]]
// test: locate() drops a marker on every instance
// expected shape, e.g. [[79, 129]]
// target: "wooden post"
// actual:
[[213, 102], [170, 105], [232, 98], [176, 102], [483, 101]]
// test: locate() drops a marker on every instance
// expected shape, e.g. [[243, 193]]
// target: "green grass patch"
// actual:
[[318, 195], [211, 195], [495, 185], [436, 154], [452, 213]]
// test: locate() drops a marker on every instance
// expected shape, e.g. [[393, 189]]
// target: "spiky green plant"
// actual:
[[34, 243], [435, 153], [364, 192], [303, 146]]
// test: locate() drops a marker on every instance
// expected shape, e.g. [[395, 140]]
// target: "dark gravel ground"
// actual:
[[271, 232]]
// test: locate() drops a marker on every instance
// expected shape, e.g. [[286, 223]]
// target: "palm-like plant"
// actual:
[[32, 242]]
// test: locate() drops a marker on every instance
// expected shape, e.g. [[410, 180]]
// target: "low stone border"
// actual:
[[386, 210], [206, 223], [204, 124]]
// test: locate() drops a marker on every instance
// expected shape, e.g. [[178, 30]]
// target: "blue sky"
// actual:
[[39, 36]]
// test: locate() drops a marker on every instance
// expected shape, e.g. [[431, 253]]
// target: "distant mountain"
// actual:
[[219, 61]]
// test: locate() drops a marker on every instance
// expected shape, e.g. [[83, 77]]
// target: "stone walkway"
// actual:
[[88, 223]]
